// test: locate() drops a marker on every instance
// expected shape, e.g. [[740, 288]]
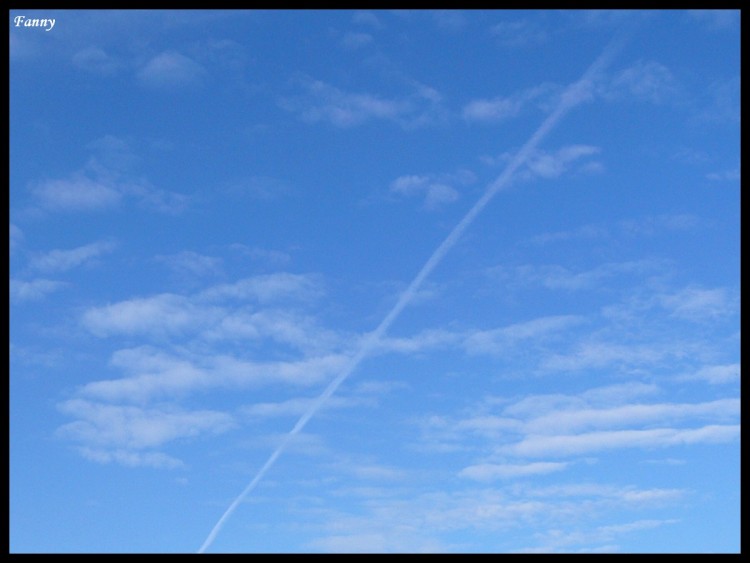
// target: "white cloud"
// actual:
[[356, 40], [130, 458], [624, 415], [150, 373], [326, 103], [264, 188], [553, 165], [104, 181], [267, 288], [647, 81], [293, 407], [731, 175], [78, 193], [566, 445], [716, 20], [486, 472], [519, 33], [557, 277], [101, 425], [96, 60], [495, 109], [716, 374], [15, 236], [21, 290], [449, 20], [192, 263], [62, 260], [171, 69], [500, 108], [158, 315], [436, 189], [366, 17], [698, 304], [497, 341]]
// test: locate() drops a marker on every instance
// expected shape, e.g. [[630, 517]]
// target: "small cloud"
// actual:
[[170, 69], [495, 109], [62, 260], [355, 40], [437, 190], [487, 472], [32, 290], [15, 236], [553, 165], [274, 257], [156, 315], [192, 263], [102, 183], [366, 17], [78, 193], [521, 33], [500, 108], [716, 374], [716, 20], [95, 60], [732, 175], [698, 304], [449, 20], [267, 288], [342, 109], [648, 81], [129, 458], [325, 103], [263, 188], [127, 434]]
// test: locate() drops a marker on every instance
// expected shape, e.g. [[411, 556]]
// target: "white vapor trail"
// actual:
[[573, 95]]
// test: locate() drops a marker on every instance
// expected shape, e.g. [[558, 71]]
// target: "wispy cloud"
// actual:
[[497, 341], [157, 315], [642, 226], [130, 458], [15, 236], [557, 277], [267, 288], [563, 445], [128, 434], [730, 175], [716, 20], [695, 303], [77, 193], [323, 102], [437, 190], [519, 33], [21, 290], [566, 426], [355, 40], [106, 179], [169, 70], [647, 81], [96, 60], [553, 164], [500, 108], [188, 262], [715, 374], [368, 18], [486, 472], [62, 260]]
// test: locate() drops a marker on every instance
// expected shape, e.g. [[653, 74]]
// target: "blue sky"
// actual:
[[210, 212]]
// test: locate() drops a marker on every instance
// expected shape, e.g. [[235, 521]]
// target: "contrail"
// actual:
[[573, 95]]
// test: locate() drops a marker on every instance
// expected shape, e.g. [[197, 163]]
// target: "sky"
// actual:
[[213, 213]]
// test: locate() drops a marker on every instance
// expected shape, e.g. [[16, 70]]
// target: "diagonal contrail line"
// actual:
[[573, 96]]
